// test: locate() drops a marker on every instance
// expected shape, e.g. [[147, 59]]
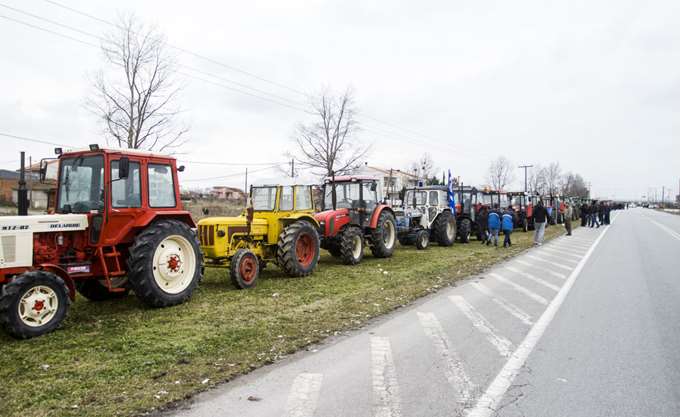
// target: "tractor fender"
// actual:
[[180, 215], [377, 212], [304, 217], [61, 273]]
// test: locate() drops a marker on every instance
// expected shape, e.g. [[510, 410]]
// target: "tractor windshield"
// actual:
[[264, 198], [346, 193], [421, 198], [81, 184]]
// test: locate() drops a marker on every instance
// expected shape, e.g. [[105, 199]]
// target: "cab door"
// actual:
[[124, 199]]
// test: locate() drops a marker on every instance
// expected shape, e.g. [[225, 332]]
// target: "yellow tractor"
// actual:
[[277, 226]]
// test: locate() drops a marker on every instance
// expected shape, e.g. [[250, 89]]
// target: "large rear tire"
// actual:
[[384, 236], [465, 230], [33, 304], [351, 246], [95, 290], [298, 249], [244, 269], [165, 264], [445, 228]]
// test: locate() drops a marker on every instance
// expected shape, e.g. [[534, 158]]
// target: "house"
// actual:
[[40, 195], [8, 181], [393, 180], [227, 193]]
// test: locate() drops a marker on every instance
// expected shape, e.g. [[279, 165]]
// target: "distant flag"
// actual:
[[450, 194]]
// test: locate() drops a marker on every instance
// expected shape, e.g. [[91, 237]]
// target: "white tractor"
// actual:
[[426, 217]]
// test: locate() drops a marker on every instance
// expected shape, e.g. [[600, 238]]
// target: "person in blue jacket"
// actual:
[[508, 223], [494, 224]]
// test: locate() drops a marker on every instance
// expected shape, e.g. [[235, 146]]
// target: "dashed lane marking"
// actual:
[[533, 278], [304, 395], [520, 288], [386, 401], [454, 370], [537, 258], [503, 345], [504, 304], [542, 268]]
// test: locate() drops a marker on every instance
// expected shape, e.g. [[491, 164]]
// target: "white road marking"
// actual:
[[386, 402], [538, 258], [489, 402], [533, 278], [666, 229], [549, 256], [561, 252], [304, 395], [503, 345], [504, 304], [454, 370], [542, 268], [520, 288]]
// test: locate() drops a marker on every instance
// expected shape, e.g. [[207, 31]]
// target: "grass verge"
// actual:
[[120, 358]]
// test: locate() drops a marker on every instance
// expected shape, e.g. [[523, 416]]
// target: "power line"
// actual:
[[27, 139], [234, 175]]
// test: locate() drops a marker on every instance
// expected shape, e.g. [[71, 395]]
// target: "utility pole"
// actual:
[[525, 176], [663, 194], [292, 168], [245, 189], [22, 192]]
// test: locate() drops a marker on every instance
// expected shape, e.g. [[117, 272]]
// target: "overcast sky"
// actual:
[[594, 85]]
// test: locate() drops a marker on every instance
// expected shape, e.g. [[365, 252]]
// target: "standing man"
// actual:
[[508, 225], [594, 213], [483, 220], [567, 212], [540, 222], [494, 223], [584, 214]]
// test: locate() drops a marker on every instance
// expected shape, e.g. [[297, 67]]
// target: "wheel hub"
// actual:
[[38, 306], [174, 264], [304, 250], [247, 269]]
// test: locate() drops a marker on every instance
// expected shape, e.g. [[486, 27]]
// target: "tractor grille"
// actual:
[[206, 235], [9, 248]]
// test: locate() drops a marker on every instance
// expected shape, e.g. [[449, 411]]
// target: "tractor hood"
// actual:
[[16, 235], [229, 221], [42, 223]]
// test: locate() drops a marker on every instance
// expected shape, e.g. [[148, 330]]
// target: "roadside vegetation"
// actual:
[[120, 358]]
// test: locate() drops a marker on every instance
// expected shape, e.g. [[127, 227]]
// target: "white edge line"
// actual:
[[489, 401], [666, 229]]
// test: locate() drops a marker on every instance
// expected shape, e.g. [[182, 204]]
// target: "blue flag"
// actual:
[[450, 194]]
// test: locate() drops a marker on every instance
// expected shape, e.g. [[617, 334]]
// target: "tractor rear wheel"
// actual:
[[298, 249], [422, 239], [244, 269], [96, 290], [33, 304], [465, 230], [165, 263], [445, 228], [351, 246], [384, 236]]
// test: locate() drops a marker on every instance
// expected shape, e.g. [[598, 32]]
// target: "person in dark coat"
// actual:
[[607, 214], [483, 222], [594, 214], [541, 218], [584, 214]]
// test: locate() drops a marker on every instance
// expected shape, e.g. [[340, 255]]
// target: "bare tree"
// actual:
[[501, 173], [553, 176], [537, 179], [574, 185], [423, 167], [135, 94], [329, 142]]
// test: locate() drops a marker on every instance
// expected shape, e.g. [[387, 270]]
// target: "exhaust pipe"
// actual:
[[22, 192]]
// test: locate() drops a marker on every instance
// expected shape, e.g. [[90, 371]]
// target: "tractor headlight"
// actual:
[[221, 233]]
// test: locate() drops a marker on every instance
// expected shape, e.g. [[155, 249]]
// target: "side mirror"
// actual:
[[123, 167], [181, 168]]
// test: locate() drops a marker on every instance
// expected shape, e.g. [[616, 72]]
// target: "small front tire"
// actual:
[[422, 239], [244, 269]]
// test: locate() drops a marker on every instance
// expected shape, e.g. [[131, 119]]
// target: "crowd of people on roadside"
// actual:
[[494, 221], [595, 214]]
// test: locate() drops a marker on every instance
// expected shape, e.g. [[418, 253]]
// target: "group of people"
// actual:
[[495, 220], [595, 214]]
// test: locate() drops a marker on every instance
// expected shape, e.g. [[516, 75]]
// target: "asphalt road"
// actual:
[[587, 325]]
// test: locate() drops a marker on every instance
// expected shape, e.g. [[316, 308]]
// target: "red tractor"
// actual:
[[118, 225], [353, 214]]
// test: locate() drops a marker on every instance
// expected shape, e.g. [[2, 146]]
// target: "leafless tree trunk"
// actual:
[[329, 142], [553, 175], [501, 173], [134, 94], [537, 179]]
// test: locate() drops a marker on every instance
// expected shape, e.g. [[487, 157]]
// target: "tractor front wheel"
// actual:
[[165, 263], [422, 239], [244, 269], [445, 228], [298, 249], [33, 304], [384, 236], [465, 230], [351, 246]]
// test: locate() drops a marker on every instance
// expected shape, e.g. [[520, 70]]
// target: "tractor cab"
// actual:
[[523, 204], [352, 214], [426, 216], [118, 224]]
